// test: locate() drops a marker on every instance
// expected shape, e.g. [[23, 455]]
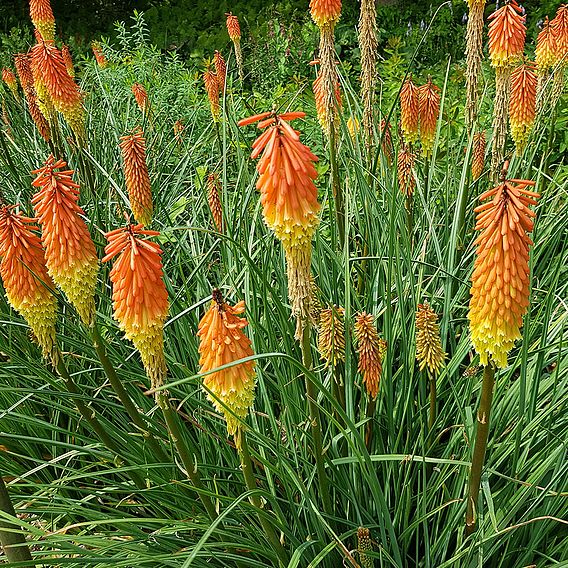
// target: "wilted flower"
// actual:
[[326, 112], [387, 146], [70, 254], [222, 342], [409, 111], [429, 110], [25, 278], [42, 18], [522, 104], [140, 298], [331, 335], [500, 280], [474, 55], [371, 350], [133, 148], [429, 352], [368, 44]]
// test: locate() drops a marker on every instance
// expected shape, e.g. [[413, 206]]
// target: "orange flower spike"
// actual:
[[140, 298], [42, 18], [220, 70], [429, 111], [233, 27], [325, 12], [222, 342], [409, 111], [507, 33], [559, 26], [500, 279], [141, 96], [371, 350], [214, 200], [212, 89], [50, 74], [100, 57], [522, 104], [133, 147], [545, 53], [67, 59], [11, 82], [69, 250], [25, 278], [405, 173]]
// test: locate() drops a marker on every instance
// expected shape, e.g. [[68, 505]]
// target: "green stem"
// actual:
[[89, 415], [13, 542], [250, 480], [315, 420], [409, 207], [370, 415], [483, 415], [135, 415], [336, 186], [184, 452], [432, 413]]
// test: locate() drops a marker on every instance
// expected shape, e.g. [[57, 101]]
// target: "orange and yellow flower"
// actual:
[[25, 278], [478, 160], [371, 350], [51, 79], [11, 82], [140, 298], [100, 57], [68, 60], [42, 18], [214, 200], [405, 173], [500, 280], [429, 110], [522, 104], [545, 53], [289, 199], [559, 26], [325, 12], [212, 89], [220, 70], [223, 342], [24, 70], [141, 97], [133, 147], [233, 27], [507, 33], [409, 111], [69, 250]]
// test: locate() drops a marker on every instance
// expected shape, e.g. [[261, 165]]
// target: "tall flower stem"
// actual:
[[89, 415], [483, 415], [370, 416], [336, 186], [135, 415], [315, 419], [13, 543], [250, 480], [185, 454], [432, 409]]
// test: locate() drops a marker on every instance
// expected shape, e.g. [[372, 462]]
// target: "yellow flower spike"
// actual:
[[331, 336], [428, 111], [429, 352], [500, 280], [25, 278], [222, 341], [140, 298], [69, 250], [42, 18], [522, 104]]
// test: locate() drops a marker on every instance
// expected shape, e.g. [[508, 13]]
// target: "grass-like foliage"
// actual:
[[80, 503]]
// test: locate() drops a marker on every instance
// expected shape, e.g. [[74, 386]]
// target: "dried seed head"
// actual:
[[474, 56], [331, 335], [368, 44], [500, 279], [364, 545], [371, 349], [429, 352]]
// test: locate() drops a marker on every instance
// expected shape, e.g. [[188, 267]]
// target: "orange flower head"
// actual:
[[11, 82], [507, 33], [51, 79], [545, 53], [133, 148], [559, 26], [140, 298], [325, 12], [478, 160], [214, 199], [409, 111], [321, 99], [223, 342], [100, 57], [429, 352], [220, 70], [500, 280], [67, 59], [25, 278], [212, 89], [522, 104], [429, 110], [289, 198], [371, 350], [233, 28], [405, 173], [70, 254], [141, 96], [331, 336], [42, 18], [24, 70], [387, 145], [178, 131]]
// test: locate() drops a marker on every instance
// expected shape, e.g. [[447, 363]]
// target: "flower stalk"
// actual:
[[13, 541]]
